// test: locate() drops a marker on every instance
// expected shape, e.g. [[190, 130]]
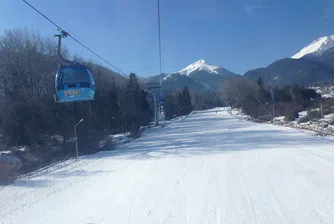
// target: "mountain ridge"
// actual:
[[198, 76], [317, 47]]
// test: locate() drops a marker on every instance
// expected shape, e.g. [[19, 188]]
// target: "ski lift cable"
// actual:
[[62, 31], [159, 40]]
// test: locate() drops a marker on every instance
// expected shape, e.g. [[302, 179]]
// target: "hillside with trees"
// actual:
[[265, 102], [178, 104], [182, 102], [304, 71], [29, 116]]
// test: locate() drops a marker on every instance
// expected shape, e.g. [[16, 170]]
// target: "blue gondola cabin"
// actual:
[[74, 83]]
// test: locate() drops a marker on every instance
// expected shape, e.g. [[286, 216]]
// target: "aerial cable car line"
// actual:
[[156, 87], [159, 40], [161, 97], [66, 34]]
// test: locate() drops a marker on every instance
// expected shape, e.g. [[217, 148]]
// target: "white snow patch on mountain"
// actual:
[[199, 66], [168, 77], [317, 47], [205, 85]]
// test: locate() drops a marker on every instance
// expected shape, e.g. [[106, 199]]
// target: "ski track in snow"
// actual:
[[207, 168]]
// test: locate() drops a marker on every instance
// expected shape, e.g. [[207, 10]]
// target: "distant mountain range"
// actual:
[[313, 65], [198, 76]]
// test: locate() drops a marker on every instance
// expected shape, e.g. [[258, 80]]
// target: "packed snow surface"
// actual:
[[199, 66], [209, 167], [317, 47]]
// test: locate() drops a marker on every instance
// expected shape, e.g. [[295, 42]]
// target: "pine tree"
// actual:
[[170, 108], [130, 102], [145, 111], [260, 82], [136, 110], [179, 104], [186, 102]]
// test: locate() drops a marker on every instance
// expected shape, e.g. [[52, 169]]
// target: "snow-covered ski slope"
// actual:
[[207, 168]]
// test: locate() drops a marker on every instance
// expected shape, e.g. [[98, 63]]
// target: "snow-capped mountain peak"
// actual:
[[198, 77], [317, 47], [199, 66]]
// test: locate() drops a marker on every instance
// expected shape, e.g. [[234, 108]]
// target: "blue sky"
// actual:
[[236, 34]]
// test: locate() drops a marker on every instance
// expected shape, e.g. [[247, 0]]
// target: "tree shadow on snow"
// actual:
[[38, 182], [168, 144], [30, 183], [78, 173], [221, 135]]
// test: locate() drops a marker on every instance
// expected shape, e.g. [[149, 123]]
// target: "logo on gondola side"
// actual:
[[72, 93]]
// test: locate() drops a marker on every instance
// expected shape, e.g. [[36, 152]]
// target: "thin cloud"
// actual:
[[250, 9]]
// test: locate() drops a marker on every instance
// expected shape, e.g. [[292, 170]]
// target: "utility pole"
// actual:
[[322, 121], [156, 109], [273, 102], [110, 124], [76, 139], [123, 121]]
